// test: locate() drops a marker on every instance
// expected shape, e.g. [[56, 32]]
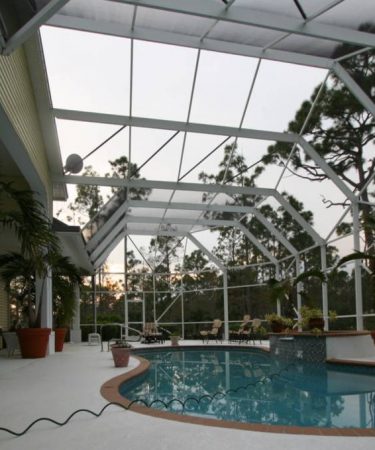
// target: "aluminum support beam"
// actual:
[[225, 305], [299, 286], [167, 185], [354, 88], [253, 17], [357, 268], [159, 124], [184, 40], [323, 260]]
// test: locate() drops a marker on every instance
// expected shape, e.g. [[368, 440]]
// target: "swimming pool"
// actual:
[[248, 386]]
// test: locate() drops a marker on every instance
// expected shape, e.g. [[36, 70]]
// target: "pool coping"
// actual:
[[110, 390]]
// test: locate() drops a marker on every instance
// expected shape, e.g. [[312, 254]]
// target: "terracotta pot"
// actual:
[[316, 322], [33, 342], [373, 336], [120, 355], [277, 327], [60, 334]]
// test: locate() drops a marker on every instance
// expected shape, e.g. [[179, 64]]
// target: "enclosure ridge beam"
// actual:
[[256, 18], [184, 40], [160, 124]]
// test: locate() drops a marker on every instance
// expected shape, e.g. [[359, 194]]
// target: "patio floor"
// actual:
[[58, 385]]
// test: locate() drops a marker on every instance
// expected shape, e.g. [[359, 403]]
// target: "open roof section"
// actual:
[[199, 99]]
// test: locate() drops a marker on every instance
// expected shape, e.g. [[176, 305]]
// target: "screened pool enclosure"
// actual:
[[201, 183]]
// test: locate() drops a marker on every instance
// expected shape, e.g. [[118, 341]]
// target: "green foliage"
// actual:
[[40, 251], [312, 273], [88, 200]]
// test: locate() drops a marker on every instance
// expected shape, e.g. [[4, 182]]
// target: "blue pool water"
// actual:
[[249, 386]]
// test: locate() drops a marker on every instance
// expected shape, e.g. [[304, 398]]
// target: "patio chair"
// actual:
[[151, 333], [243, 331], [255, 331], [214, 333]]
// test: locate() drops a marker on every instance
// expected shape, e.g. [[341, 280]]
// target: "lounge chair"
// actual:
[[243, 331], [151, 333], [214, 333]]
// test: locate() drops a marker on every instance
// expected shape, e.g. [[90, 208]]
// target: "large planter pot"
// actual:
[[33, 342], [277, 327], [316, 322], [120, 355], [60, 334], [373, 336]]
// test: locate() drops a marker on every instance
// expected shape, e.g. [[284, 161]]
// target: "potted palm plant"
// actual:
[[26, 218], [121, 353]]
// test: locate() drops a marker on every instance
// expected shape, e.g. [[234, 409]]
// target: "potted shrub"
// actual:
[[276, 322], [312, 318], [121, 353]]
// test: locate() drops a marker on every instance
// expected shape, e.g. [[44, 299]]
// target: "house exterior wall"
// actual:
[[18, 101]]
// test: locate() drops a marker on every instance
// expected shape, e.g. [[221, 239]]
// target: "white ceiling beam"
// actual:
[[354, 88], [32, 25], [247, 16], [182, 40], [189, 206], [142, 122], [167, 185]]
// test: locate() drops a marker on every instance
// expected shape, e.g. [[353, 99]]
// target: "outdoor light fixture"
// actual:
[[74, 163]]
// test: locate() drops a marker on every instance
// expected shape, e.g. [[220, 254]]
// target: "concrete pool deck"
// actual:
[[59, 384]]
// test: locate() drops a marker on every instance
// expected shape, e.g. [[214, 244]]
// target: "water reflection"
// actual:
[[251, 387]]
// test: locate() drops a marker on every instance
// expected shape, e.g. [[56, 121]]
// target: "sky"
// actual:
[[91, 72]]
